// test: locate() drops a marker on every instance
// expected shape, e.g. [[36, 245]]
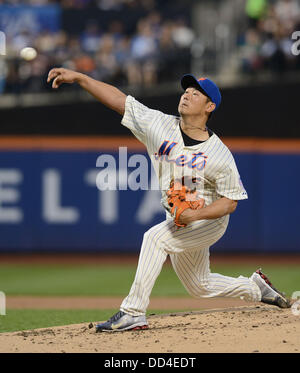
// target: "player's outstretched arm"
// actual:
[[107, 94]]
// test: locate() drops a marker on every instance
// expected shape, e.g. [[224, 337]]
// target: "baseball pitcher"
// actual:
[[200, 187]]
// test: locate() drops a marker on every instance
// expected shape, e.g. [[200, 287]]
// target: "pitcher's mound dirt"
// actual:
[[238, 329]]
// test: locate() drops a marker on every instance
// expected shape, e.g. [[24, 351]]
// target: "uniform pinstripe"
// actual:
[[187, 247]]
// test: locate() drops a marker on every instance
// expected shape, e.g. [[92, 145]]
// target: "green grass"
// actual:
[[16, 320], [116, 280], [92, 280], [57, 280], [31, 319]]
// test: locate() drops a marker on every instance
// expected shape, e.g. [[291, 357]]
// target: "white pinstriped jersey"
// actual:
[[188, 247], [210, 160]]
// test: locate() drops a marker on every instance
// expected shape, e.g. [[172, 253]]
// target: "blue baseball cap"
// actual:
[[206, 86]]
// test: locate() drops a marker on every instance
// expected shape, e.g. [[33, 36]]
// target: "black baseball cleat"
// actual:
[[122, 321], [269, 294]]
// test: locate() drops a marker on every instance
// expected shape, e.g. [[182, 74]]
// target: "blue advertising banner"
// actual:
[[33, 19], [49, 201]]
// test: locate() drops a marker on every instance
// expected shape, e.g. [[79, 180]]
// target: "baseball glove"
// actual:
[[182, 195]]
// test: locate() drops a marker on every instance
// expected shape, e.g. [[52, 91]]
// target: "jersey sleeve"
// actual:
[[229, 183], [137, 118]]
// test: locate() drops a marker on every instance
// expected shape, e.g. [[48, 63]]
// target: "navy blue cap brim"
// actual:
[[189, 80]]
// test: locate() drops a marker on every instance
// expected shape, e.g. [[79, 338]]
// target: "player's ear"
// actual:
[[210, 107]]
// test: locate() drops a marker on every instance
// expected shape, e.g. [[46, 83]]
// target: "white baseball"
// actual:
[[28, 53]]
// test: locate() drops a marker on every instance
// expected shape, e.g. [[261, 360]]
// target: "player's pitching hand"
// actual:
[[61, 75], [187, 216]]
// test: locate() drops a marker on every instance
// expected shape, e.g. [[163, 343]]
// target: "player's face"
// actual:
[[194, 102]]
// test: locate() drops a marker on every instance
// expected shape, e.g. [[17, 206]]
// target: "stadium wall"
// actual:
[[268, 111], [49, 201]]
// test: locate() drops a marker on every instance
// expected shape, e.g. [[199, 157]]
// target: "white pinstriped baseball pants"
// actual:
[[189, 253]]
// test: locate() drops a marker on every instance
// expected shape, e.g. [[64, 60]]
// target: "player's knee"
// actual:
[[193, 292], [204, 287]]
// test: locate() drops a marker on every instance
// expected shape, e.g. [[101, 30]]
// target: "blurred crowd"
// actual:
[[153, 47], [157, 49], [266, 44], [80, 4]]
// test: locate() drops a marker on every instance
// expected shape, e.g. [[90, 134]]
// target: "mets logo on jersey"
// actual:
[[196, 160]]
